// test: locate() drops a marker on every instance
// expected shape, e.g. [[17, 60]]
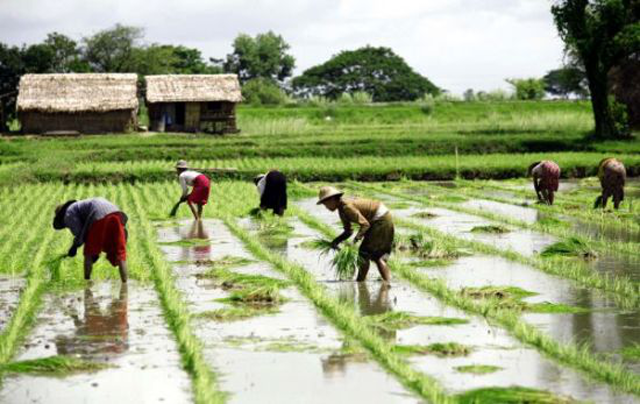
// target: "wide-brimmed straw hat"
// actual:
[[327, 193], [61, 210], [182, 164]]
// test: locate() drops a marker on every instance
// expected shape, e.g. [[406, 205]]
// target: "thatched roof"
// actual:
[[87, 92], [193, 88]]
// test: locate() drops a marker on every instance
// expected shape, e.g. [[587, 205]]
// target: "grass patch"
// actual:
[[511, 395], [554, 308], [424, 215], [53, 365], [631, 352], [571, 247], [510, 297], [237, 313], [424, 247], [478, 369], [192, 242], [438, 349], [397, 320], [497, 292], [398, 205], [233, 280], [226, 262], [261, 295], [494, 229], [291, 346], [429, 263]]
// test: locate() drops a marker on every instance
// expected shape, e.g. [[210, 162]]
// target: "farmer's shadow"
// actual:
[[98, 332]]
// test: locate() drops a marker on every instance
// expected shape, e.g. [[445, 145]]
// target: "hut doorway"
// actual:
[[180, 114]]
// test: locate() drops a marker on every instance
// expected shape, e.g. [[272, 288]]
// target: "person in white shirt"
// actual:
[[199, 195]]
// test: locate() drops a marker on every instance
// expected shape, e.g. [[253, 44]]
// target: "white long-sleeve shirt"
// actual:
[[186, 179]]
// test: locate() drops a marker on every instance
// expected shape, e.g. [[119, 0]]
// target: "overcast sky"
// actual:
[[458, 44]]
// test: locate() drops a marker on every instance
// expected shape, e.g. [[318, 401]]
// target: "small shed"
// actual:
[[193, 103], [83, 102]]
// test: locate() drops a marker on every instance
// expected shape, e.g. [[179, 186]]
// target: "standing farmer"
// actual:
[[376, 228], [272, 188], [100, 226], [612, 175], [546, 179], [199, 194]]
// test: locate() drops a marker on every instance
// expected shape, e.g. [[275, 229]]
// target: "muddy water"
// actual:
[[108, 323], [527, 215], [606, 327], [520, 365], [10, 289], [292, 356]]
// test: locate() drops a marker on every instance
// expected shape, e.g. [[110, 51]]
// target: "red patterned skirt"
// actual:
[[107, 235], [200, 192]]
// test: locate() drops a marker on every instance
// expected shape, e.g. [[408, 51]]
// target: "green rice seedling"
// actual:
[[346, 261], [478, 369], [397, 320], [236, 313], [511, 395], [226, 262], [424, 215], [438, 349], [233, 280], [321, 244], [571, 247], [427, 248], [631, 353], [495, 229], [266, 294], [53, 365]]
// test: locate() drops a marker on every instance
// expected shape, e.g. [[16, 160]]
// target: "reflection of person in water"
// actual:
[[368, 305], [198, 232], [98, 332]]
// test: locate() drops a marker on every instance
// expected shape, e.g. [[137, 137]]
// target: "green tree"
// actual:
[[264, 56], [262, 92], [602, 33], [566, 81], [528, 89], [113, 50], [11, 68], [67, 57], [376, 71]]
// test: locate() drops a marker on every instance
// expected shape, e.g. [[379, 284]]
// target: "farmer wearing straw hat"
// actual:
[[546, 179], [199, 195], [100, 226], [376, 228], [612, 175], [272, 188]]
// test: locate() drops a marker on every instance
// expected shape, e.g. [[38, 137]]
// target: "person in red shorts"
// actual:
[[546, 179], [100, 226], [199, 195]]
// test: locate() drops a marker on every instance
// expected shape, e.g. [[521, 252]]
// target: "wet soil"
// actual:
[[10, 289]]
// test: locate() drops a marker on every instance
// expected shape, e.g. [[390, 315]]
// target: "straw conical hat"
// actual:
[[182, 164], [328, 192]]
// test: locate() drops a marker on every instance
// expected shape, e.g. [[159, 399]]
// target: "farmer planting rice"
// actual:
[[199, 195], [546, 179], [612, 175], [272, 188], [376, 228], [100, 226]]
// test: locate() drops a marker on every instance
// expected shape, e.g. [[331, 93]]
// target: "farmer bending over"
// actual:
[[546, 179], [272, 188], [376, 228], [100, 226], [612, 175], [199, 194]]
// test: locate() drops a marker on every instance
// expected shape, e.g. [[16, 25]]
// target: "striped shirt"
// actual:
[[82, 214]]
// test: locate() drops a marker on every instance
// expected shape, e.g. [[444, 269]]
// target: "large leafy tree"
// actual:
[[377, 71], [66, 54], [11, 67], [566, 81], [264, 57], [602, 33], [113, 50]]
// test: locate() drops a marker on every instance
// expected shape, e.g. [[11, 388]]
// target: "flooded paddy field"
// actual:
[[243, 309]]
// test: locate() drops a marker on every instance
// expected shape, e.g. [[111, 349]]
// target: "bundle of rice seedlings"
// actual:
[[571, 247], [321, 244], [346, 261]]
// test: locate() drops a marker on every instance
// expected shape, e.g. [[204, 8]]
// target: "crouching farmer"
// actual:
[[612, 175], [100, 226], [199, 195], [272, 188], [376, 228], [546, 180]]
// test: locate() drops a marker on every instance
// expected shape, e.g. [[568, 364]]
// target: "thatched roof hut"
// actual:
[[192, 103], [86, 103]]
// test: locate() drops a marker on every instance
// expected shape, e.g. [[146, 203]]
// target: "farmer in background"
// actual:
[[272, 188], [612, 175], [376, 228], [100, 226], [546, 179], [199, 194]]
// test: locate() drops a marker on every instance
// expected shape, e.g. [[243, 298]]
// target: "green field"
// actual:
[[493, 299]]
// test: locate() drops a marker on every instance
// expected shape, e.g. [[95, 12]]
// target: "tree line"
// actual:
[[602, 39]]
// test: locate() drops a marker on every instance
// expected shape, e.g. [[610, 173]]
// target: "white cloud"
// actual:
[[458, 44]]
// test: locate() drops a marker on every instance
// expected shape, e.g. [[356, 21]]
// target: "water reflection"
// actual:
[[98, 331]]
